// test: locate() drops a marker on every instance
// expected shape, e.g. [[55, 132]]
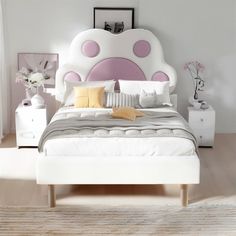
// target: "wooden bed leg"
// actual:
[[51, 196], [184, 194]]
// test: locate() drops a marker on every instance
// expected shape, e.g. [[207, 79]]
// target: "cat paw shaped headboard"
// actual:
[[97, 54]]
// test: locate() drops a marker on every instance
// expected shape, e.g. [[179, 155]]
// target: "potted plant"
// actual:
[[195, 70], [32, 80]]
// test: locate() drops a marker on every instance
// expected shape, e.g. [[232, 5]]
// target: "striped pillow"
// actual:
[[122, 100]]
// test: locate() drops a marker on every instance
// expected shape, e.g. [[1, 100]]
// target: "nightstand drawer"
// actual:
[[23, 121], [204, 137], [202, 119], [30, 120], [27, 138]]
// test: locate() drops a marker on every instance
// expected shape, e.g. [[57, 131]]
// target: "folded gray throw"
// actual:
[[73, 125]]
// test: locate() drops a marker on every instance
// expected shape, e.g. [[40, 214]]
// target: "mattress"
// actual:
[[117, 146]]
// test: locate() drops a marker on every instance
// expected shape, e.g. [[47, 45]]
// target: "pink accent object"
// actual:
[[90, 48], [160, 76], [72, 77], [142, 48], [116, 68]]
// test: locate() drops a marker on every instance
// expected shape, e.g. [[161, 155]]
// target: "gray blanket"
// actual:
[[153, 124]]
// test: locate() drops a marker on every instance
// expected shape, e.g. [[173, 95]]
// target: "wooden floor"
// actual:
[[218, 181]]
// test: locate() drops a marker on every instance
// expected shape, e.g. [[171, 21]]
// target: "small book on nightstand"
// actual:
[[202, 123]]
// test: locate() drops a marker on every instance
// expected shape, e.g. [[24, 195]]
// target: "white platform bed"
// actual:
[[116, 160]]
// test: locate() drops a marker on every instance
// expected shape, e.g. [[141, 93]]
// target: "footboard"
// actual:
[[118, 170], [182, 170]]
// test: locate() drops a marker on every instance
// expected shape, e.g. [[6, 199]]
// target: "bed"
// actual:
[[158, 148]]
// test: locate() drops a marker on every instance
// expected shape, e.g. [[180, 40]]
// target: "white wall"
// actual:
[[203, 30], [188, 29]]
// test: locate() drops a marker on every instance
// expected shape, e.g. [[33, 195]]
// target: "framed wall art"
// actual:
[[40, 62], [115, 20]]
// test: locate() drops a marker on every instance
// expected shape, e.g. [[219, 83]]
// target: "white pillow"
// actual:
[[130, 86], [135, 87], [69, 96]]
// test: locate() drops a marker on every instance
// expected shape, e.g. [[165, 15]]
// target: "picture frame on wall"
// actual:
[[114, 20], [40, 62]]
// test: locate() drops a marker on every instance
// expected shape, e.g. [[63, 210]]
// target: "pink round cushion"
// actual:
[[72, 77], [90, 48], [142, 48], [160, 76], [116, 68]]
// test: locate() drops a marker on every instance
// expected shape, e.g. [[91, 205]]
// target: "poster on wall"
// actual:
[[40, 62], [114, 20]]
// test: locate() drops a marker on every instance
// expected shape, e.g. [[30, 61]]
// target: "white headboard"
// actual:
[[97, 54]]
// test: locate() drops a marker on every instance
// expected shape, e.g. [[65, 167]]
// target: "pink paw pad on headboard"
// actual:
[[115, 68], [72, 77], [142, 48], [160, 76], [90, 48]]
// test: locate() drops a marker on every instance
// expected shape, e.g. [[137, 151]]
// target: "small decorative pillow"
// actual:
[[69, 96], [128, 113], [89, 97], [148, 99], [162, 91], [121, 100]]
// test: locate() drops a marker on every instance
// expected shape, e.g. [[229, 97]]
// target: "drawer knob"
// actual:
[[202, 119], [200, 136]]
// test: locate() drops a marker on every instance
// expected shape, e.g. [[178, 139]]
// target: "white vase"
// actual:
[[37, 101], [28, 94], [197, 105], [191, 101]]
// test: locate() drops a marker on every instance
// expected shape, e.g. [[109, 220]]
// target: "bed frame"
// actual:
[[135, 54], [183, 195]]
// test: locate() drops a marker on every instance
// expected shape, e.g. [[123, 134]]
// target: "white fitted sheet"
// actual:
[[118, 146]]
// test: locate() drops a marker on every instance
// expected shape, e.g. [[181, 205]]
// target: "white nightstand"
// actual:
[[202, 123], [30, 124]]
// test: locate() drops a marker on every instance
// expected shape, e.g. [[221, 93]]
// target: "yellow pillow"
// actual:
[[128, 113], [89, 97]]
